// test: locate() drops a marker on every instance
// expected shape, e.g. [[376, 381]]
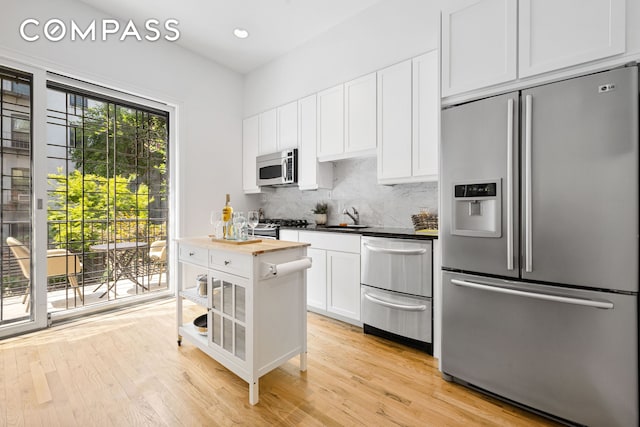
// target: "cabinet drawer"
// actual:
[[397, 313], [193, 254], [238, 264], [331, 241]]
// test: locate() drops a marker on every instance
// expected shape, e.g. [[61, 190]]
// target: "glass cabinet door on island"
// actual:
[[227, 315]]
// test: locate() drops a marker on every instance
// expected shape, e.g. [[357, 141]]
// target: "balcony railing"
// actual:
[[97, 272]]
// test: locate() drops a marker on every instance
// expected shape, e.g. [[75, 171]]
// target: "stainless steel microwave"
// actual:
[[279, 168]]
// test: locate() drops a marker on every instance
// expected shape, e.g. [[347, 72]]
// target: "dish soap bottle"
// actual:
[[227, 214]]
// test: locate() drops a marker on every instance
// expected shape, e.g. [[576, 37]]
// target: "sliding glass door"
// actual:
[[107, 196], [16, 291], [84, 200]]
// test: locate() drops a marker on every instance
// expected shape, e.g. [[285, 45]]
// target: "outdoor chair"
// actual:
[[59, 262], [158, 257]]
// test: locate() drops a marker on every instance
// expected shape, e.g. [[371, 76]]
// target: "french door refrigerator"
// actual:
[[540, 247]]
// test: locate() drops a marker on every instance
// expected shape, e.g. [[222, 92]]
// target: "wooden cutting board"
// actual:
[[235, 242]]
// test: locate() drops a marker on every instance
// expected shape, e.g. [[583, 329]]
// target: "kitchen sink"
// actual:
[[352, 226]]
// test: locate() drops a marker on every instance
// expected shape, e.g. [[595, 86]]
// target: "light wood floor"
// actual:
[[125, 369]]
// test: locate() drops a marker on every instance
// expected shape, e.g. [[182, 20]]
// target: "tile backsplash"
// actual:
[[355, 185]]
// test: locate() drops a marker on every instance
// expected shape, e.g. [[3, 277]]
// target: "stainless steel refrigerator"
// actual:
[[539, 230]]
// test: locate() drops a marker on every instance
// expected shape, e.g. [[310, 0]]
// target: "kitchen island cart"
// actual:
[[255, 302]]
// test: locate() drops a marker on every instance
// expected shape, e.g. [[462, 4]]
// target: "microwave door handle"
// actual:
[[285, 178]]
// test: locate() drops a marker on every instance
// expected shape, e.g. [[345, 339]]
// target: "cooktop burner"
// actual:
[[283, 222]]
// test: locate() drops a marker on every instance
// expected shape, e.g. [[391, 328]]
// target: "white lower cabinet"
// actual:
[[333, 281], [343, 284], [317, 279]]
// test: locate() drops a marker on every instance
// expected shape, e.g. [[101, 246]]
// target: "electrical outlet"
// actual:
[[263, 198], [329, 194]]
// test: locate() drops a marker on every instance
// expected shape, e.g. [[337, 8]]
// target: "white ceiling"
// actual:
[[206, 26]]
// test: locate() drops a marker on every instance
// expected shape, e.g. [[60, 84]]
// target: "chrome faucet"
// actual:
[[355, 217]]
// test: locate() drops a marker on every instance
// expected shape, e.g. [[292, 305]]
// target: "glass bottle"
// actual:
[[227, 213]]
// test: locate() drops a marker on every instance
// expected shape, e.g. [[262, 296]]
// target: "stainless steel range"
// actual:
[[270, 228]]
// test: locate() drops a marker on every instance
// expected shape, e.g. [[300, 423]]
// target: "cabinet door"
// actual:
[[250, 143], [360, 114], [227, 319], [289, 235], [426, 116], [307, 157], [394, 122], [343, 284], [479, 45], [317, 279], [559, 34], [331, 121], [287, 117], [268, 132]]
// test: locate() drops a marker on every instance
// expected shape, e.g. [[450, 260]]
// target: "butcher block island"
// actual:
[[255, 300]]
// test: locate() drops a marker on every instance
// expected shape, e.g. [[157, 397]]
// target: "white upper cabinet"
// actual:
[[250, 143], [331, 122], [489, 42], [558, 34], [394, 122], [408, 121], [279, 128], [347, 120], [311, 174], [268, 132], [479, 45], [287, 119], [360, 115], [426, 116]]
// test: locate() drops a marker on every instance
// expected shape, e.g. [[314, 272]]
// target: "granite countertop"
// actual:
[[399, 233], [261, 247]]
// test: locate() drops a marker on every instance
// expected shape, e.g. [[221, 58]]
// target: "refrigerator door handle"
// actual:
[[555, 298], [510, 184], [528, 255]]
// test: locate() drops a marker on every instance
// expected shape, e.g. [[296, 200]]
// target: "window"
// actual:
[[20, 132], [16, 88], [20, 185]]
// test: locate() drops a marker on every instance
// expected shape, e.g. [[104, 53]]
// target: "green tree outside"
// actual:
[[113, 209]]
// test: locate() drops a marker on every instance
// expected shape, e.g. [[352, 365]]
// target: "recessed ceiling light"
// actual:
[[241, 33]]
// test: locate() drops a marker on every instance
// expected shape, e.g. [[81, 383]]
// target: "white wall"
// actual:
[[208, 98], [386, 33]]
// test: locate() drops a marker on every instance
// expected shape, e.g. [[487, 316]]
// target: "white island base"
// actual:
[[256, 304]]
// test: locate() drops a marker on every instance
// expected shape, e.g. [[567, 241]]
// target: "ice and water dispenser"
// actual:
[[477, 209]]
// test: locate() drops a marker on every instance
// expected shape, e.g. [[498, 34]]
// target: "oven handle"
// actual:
[[395, 251], [534, 295], [389, 304]]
